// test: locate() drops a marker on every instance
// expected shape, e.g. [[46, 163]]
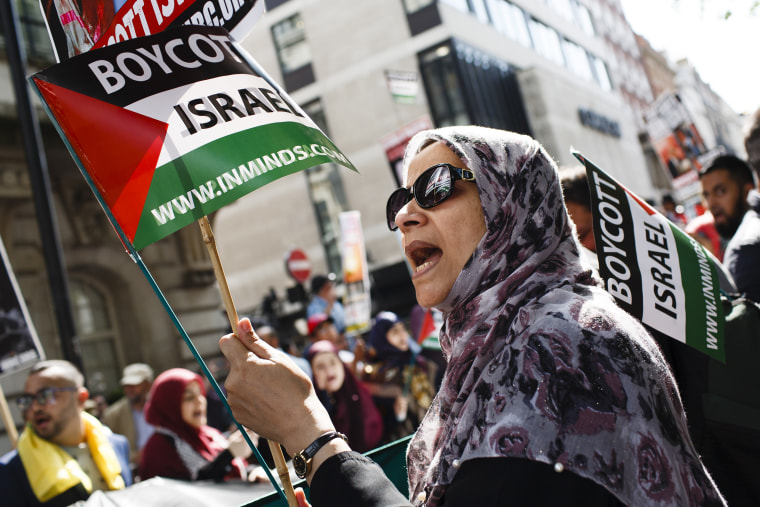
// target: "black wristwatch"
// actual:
[[302, 460]]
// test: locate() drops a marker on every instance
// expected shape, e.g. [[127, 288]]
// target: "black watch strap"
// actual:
[[302, 460]]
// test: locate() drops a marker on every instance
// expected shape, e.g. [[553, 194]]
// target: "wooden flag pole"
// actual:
[[173, 316], [229, 305], [10, 426]]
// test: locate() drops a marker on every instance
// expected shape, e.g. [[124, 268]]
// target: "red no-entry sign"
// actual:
[[298, 265]]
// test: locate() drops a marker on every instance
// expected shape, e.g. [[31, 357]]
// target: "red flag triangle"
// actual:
[[117, 147], [428, 326]]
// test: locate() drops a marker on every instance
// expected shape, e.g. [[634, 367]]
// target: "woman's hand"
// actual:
[[257, 474], [301, 498], [400, 407], [269, 394], [238, 446]]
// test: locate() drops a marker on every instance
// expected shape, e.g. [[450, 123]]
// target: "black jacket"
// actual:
[[350, 479]]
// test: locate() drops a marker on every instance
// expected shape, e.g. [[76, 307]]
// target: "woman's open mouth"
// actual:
[[423, 256]]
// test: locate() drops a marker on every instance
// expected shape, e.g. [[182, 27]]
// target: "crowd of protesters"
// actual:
[[378, 386]]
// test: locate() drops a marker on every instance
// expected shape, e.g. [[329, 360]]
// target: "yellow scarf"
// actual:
[[51, 470]]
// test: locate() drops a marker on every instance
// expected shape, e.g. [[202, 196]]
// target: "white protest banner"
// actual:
[[655, 271], [355, 273], [19, 346]]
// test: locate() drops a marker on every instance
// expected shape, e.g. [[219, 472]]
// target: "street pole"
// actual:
[[40, 182]]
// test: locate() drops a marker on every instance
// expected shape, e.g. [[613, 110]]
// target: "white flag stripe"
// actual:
[[664, 300], [179, 141]]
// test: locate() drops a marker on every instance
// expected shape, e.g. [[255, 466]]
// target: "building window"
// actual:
[[290, 40], [562, 7], [34, 32], [578, 60], [412, 6], [515, 23], [443, 88], [481, 11], [421, 15], [94, 321], [293, 52], [466, 86], [271, 4], [601, 74], [477, 7], [583, 17], [327, 194], [546, 41]]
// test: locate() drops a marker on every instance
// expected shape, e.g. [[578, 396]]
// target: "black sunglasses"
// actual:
[[433, 186], [45, 396]]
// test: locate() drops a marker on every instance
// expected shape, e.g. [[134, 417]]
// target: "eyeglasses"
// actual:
[[45, 396], [433, 186]]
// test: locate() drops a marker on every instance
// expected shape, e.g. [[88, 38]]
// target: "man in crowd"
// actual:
[[322, 327], [578, 203], [752, 142], [64, 453], [721, 420], [127, 415], [673, 211], [728, 188], [324, 300], [743, 250]]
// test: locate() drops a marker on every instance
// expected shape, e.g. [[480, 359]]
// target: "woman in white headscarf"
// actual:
[[552, 394]]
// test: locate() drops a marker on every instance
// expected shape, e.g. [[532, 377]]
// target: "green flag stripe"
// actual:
[[704, 329], [224, 170]]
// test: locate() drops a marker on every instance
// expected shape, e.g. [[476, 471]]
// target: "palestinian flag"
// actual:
[[169, 128], [428, 334], [655, 271]]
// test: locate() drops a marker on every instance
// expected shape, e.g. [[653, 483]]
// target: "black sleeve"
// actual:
[[217, 469], [523, 483], [350, 479]]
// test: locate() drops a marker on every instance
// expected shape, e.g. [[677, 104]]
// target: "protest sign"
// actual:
[[674, 135], [355, 273], [403, 85], [171, 127], [655, 271], [77, 26], [19, 346]]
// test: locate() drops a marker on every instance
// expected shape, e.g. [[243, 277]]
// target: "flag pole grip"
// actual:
[[232, 316]]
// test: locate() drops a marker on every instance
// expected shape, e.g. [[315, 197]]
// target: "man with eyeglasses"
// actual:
[[64, 453]]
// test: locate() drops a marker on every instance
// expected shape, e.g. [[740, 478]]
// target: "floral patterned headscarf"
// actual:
[[542, 364]]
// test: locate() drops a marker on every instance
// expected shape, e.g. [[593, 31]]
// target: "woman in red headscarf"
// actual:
[[183, 446]]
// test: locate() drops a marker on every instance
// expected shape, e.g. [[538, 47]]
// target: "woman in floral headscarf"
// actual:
[[552, 394]]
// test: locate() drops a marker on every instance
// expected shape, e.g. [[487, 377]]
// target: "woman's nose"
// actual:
[[409, 215]]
